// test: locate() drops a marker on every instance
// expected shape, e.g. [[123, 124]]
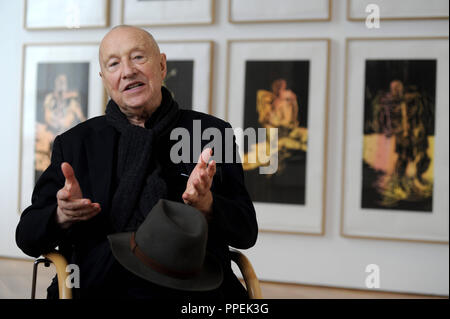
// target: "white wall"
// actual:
[[329, 260]]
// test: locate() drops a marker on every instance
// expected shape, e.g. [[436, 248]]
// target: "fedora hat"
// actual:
[[169, 249]]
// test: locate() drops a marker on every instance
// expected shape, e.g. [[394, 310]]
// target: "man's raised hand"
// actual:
[[72, 207], [198, 193]]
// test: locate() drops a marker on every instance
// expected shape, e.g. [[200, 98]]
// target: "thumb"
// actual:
[[69, 174]]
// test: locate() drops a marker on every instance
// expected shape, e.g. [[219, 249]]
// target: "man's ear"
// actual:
[[101, 75], [163, 64]]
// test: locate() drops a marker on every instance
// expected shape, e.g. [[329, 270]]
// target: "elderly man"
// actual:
[[107, 173]]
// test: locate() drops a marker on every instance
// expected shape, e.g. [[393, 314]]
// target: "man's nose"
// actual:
[[129, 70]]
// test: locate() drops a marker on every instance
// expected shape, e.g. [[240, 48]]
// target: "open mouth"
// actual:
[[133, 85]]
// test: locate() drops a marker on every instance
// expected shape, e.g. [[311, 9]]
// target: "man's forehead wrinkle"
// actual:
[[144, 41]]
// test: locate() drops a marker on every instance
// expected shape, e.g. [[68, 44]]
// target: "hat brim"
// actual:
[[210, 277]]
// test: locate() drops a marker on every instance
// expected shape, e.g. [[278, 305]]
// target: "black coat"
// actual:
[[90, 148]]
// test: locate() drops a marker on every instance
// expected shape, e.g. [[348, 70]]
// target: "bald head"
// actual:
[[112, 35], [132, 70]]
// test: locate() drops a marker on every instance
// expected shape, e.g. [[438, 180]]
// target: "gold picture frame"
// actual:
[[55, 14], [199, 54], [154, 13], [396, 13], [49, 70], [368, 208], [267, 14]]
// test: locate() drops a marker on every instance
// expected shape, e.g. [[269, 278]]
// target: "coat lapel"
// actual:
[[100, 150]]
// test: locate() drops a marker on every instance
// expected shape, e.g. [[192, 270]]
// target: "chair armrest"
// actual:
[[250, 278], [60, 264], [246, 268]]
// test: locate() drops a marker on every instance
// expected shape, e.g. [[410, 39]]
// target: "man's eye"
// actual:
[[113, 64], [140, 58]]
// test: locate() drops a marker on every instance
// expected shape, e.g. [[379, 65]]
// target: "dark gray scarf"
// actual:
[[141, 185]]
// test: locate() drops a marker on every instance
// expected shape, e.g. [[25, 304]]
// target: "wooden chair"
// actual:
[[246, 268], [248, 273], [60, 263]]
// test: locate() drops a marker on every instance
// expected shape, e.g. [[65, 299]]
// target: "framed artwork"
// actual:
[[281, 86], [189, 73], [73, 14], [254, 11], [167, 12], [61, 87], [399, 9], [396, 140]]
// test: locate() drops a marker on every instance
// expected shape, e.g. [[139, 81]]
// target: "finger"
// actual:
[[89, 213], [206, 178], [69, 174], [81, 213], [201, 185], [204, 157], [206, 154], [208, 175], [211, 170], [192, 191], [75, 204]]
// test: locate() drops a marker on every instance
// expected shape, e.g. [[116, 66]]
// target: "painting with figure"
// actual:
[[179, 81], [62, 102], [276, 96], [399, 127]]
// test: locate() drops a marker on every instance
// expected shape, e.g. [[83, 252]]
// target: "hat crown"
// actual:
[[175, 236]]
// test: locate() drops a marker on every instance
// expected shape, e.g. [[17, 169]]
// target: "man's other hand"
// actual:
[[72, 207], [198, 189]]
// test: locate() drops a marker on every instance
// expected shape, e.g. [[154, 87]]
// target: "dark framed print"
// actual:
[[73, 14], [61, 88], [263, 11], [272, 86], [189, 73], [357, 10], [396, 143], [167, 12]]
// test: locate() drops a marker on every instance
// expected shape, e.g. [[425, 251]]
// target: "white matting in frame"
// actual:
[[73, 14], [399, 9], [307, 218], [43, 64], [163, 12], [401, 223], [200, 53], [279, 10]]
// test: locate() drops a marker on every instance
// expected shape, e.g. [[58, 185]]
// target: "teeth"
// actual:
[[133, 86]]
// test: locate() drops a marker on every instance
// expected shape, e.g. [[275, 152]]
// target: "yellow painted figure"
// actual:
[[62, 110], [277, 109]]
